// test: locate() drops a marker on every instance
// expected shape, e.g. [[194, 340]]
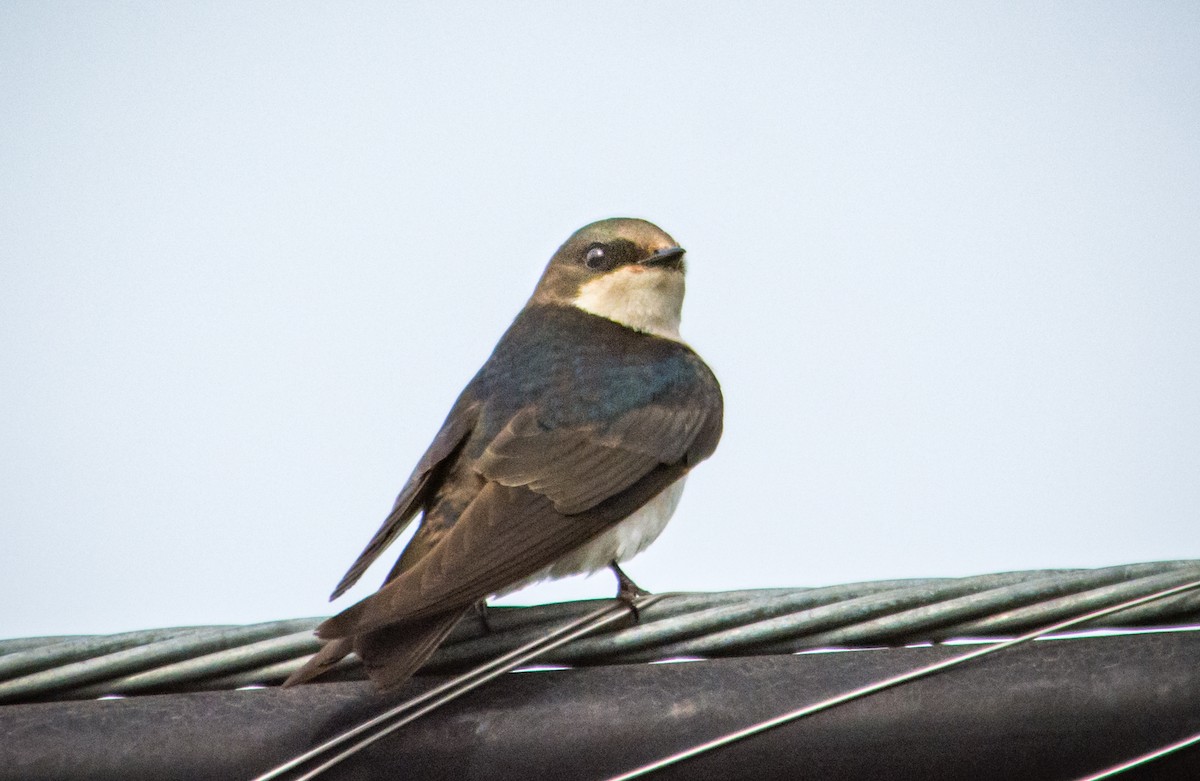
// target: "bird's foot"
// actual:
[[628, 591], [481, 610]]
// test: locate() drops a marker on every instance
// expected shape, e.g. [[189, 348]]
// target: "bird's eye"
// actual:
[[594, 258]]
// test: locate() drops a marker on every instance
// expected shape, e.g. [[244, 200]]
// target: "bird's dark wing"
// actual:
[[505, 536], [549, 491], [455, 430], [581, 466]]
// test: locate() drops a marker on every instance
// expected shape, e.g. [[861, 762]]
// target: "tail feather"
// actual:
[[392, 654], [321, 662]]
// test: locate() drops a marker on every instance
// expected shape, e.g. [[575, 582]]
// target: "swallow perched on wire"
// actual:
[[565, 454]]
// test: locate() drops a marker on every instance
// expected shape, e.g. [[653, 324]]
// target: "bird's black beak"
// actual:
[[671, 257]]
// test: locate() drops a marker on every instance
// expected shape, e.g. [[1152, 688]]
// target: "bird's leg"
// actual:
[[481, 610], [627, 590]]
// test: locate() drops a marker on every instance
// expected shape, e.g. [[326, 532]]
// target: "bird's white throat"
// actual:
[[643, 298]]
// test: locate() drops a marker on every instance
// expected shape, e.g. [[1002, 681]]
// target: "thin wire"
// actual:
[[446, 686], [468, 686], [614, 613], [1144, 759], [888, 683], [457, 686]]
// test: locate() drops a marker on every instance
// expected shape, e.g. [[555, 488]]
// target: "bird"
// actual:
[[566, 453]]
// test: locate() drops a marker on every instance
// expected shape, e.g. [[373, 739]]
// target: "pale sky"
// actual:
[[944, 259]]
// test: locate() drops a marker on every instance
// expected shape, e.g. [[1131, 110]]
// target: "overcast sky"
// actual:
[[944, 259]]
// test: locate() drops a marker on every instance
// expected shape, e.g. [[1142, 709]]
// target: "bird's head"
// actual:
[[626, 270]]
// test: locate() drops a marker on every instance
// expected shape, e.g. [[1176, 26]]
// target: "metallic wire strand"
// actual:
[[888, 683], [738, 623], [1144, 758], [426, 702]]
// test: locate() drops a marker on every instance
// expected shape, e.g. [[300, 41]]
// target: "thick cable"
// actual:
[[893, 681]]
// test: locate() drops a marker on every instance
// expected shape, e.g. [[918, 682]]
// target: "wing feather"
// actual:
[[580, 466], [506, 535], [455, 430]]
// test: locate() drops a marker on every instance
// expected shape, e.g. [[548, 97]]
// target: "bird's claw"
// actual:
[[628, 591], [481, 610]]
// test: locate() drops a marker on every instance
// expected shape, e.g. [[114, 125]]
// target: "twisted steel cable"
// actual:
[[734, 623]]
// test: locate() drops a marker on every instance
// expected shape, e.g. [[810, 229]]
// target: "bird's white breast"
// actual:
[[623, 541]]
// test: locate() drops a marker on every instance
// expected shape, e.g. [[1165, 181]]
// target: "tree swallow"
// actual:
[[565, 454]]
